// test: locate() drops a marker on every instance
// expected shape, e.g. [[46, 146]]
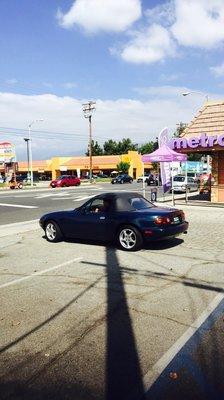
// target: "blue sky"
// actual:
[[133, 57]]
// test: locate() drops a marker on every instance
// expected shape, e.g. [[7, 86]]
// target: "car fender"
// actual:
[[124, 223]]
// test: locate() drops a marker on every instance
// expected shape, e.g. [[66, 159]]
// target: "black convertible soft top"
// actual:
[[124, 201]]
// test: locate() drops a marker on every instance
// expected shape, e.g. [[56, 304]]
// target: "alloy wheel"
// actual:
[[51, 231], [127, 238]]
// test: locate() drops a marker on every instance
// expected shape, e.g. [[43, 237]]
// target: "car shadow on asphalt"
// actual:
[[154, 245]]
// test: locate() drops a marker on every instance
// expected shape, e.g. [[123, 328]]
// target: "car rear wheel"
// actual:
[[129, 238], [53, 232]]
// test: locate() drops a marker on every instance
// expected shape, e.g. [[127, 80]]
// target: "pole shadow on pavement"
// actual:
[[123, 372]]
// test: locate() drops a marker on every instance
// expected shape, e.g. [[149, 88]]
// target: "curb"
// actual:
[[19, 227]]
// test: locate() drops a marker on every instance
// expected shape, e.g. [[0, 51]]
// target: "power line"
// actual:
[[19, 131]]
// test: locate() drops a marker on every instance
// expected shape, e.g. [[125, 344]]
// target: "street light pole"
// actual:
[[28, 157], [30, 148], [195, 92], [88, 109]]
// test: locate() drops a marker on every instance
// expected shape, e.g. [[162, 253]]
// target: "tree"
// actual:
[[123, 167], [110, 147], [156, 144], [146, 148], [125, 145], [180, 129], [96, 149]]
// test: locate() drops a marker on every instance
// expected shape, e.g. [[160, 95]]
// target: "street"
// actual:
[[89, 321], [21, 205]]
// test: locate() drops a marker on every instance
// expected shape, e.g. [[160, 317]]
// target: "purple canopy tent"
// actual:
[[164, 154]]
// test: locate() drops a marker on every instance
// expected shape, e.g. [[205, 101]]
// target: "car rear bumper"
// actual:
[[158, 233]]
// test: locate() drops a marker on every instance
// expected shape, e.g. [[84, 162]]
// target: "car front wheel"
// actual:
[[53, 232], [129, 238]]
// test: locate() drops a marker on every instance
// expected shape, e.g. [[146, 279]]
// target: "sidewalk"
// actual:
[[180, 200]]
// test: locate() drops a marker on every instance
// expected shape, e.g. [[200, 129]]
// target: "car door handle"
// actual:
[[102, 217]]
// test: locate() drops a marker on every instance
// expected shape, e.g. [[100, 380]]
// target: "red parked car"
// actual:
[[65, 180]]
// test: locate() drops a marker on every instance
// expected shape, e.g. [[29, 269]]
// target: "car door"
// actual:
[[91, 222]]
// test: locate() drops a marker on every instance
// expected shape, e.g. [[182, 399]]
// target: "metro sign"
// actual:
[[203, 140]]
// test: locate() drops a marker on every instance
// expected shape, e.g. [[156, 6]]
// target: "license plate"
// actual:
[[176, 220]]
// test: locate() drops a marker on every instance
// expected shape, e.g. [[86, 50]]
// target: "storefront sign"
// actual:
[[7, 152], [200, 141]]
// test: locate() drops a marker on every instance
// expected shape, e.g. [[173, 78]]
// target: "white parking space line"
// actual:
[[16, 205], [25, 278], [153, 374]]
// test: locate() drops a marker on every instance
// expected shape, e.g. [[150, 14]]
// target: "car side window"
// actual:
[[98, 206]]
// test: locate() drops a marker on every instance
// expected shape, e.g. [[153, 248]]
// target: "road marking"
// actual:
[[42, 196], [16, 205], [83, 198], [153, 374], [25, 278]]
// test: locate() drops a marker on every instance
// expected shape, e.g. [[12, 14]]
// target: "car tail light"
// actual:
[[182, 215], [162, 220]]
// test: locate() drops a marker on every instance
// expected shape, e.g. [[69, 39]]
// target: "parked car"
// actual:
[[151, 180], [180, 184], [102, 176], [141, 178], [65, 180], [123, 178], [125, 218]]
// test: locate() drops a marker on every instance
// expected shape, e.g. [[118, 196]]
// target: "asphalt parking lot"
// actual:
[[87, 321]]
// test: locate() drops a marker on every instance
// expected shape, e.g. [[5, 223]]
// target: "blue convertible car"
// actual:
[[127, 218]]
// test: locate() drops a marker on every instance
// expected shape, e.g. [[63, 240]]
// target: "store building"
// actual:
[[79, 166], [205, 135]]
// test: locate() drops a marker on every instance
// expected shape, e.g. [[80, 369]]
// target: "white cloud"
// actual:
[[100, 15], [175, 23], [199, 23], [141, 119], [218, 71], [148, 46]]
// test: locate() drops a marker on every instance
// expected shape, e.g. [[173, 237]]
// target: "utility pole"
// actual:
[[28, 158], [88, 109]]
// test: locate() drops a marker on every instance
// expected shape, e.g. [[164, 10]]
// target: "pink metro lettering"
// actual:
[[194, 142]]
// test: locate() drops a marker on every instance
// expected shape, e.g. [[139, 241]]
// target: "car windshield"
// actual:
[[179, 178]]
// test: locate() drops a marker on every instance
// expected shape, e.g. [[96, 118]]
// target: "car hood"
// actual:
[[56, 214]]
